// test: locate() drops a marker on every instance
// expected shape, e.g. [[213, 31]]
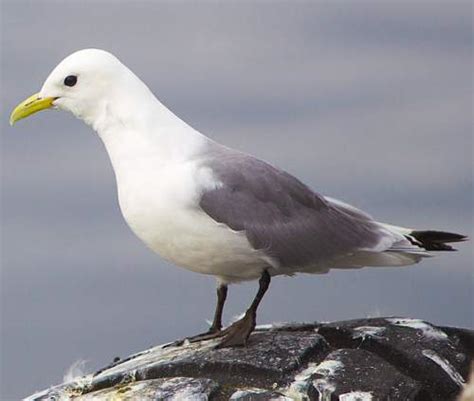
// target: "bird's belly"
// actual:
[[189, 238]]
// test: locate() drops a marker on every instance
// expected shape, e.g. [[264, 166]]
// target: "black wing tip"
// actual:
[[438, 236], [433, 240]]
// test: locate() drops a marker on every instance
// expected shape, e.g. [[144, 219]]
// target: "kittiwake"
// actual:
[[212, 209]]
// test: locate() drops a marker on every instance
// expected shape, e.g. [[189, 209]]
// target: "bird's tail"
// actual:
[[429, 240], [409, 246]]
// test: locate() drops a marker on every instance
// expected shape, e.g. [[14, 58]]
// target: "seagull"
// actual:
[[212, 209]]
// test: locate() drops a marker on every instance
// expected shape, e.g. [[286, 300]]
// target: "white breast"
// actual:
[[160, 204]]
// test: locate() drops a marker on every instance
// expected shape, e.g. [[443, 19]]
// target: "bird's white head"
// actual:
[[83, 81], [87, 83]]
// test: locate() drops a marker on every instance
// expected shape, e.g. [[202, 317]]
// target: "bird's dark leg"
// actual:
[[238, 333], [215, 329], [221, 297]]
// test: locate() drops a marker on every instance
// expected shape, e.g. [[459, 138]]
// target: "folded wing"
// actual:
[[293, 225]]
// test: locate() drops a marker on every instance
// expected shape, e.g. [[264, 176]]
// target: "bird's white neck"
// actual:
[[137, 128]]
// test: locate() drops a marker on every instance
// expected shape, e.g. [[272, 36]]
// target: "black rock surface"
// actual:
[[356, 360]]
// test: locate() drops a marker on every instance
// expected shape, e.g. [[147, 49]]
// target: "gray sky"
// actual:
[[367, 102]]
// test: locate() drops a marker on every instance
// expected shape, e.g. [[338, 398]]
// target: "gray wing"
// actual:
[[282, 216]]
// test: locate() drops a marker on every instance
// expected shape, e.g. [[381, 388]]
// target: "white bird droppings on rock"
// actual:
[[356, 396], [417, 324], [444, 364], [368, 331], [299, 388]]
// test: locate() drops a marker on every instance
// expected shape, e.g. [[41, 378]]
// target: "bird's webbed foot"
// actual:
[[237, 334]]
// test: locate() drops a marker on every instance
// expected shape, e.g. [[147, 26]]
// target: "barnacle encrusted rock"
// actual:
[[367, 359]]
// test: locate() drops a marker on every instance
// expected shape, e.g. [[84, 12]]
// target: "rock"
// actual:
[[356, 360], [176, 388]]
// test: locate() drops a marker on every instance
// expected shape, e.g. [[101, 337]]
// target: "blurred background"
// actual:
[[369, 102]]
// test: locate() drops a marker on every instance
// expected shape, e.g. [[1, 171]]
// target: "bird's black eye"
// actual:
[[70, 80]]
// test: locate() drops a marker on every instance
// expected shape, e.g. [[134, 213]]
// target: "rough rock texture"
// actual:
[[356, 360]]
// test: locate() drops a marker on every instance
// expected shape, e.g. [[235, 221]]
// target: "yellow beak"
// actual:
[[30, 106]]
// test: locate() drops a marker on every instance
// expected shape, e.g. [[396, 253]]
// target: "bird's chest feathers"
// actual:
[[152, 197], [160, 204]]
